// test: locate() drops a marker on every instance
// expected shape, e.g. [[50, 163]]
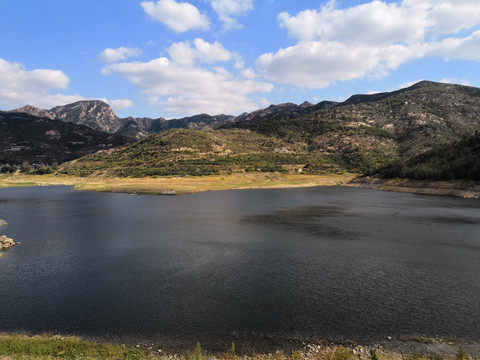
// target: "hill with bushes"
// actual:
[[366, 134]]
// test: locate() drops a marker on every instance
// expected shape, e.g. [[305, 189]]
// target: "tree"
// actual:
[[26, 167]]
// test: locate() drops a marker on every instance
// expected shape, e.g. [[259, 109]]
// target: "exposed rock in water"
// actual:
[[6, 242], [3, 222]]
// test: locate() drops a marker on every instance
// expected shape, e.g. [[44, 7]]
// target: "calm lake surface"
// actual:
[[328, 262]]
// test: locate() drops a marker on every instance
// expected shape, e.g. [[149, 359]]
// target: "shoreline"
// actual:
[[192, 184], [178, 185], [403, 345], [456, 188], [388, 348]]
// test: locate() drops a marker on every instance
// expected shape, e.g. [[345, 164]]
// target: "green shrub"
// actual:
[[461, 355], [297, 355], [198, 352], [343, 354], [134, 354], [374, 355]]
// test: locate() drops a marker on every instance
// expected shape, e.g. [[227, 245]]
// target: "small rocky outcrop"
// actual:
[[5, 242]]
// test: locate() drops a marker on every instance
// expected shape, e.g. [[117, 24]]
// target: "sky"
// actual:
[[175, 58]]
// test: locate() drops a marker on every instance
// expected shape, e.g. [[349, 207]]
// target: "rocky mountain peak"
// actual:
[[32, 110], [306, 104], [93, 113], [85, 109], [284, 110]]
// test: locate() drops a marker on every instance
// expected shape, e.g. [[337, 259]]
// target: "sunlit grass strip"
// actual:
[[66, 347], [178, 185]]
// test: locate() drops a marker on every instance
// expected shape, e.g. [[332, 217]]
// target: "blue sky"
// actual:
[[171, 58]]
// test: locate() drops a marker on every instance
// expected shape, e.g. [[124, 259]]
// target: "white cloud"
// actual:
[[201, 51], [456, 81], [227, 10], [15, 75], [122, 53], [376, 23], [467, 48], [121, 104], [410, 83], [186, 87], [449, 16], [317, 64], [264, 102], [21, 86], [371, 39], [177, 16], [379, 22], [210, 53], [249, 73]]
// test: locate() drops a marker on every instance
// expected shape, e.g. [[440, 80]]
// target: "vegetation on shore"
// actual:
[[13, 347], [171, 185], [392, 129], [181, 152], [452, 161], [426, 132], [62, 347], [457, 188]]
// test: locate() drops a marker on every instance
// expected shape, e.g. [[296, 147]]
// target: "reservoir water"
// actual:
[[327, 262]]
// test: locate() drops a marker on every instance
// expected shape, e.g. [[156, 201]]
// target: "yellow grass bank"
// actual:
[[177, 185]]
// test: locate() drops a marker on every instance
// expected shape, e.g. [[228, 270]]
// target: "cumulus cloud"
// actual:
[[228, 10], [379, 22], [121, 104], [371, 39], [21, 86], [177, 16], [201, 50], [449, 16], [249, 73], [376, 23], [409, 83], [191, 87], [467, 48], [456, 81], [122, 53], [317, 64]]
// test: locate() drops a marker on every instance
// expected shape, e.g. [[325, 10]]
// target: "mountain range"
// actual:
[[33, 139], [364, 134], [99, 116]]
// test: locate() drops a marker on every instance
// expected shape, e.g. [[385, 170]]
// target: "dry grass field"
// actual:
[[177, 185]]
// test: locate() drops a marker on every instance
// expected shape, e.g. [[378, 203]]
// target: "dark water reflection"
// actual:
[[325, 262]]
